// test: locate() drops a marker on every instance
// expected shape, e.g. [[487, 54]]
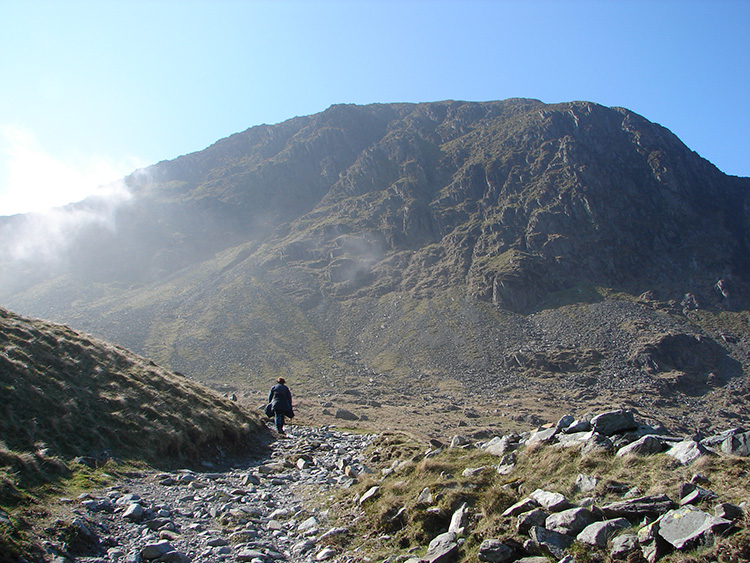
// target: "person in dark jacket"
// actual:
[[280, 399]]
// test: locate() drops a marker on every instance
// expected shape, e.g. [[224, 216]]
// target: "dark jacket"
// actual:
[[281, 399]]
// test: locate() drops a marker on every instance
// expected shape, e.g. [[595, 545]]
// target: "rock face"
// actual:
[[737, 444], [442, 549], [342, 219], [687, 451], [550, 542], [550, 500], [495, 551], [638, 507], [615, 422], [570, 522], [549, 180], [530, 519], [643, 446], [598, 533]]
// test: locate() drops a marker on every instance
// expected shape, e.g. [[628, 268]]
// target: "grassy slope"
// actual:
[[67, 395]]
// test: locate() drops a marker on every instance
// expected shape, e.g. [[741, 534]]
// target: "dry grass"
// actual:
[[70, 395], [66, 395], [395, 517]]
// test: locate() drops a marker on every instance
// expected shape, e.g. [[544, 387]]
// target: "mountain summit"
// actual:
[[485, 243]]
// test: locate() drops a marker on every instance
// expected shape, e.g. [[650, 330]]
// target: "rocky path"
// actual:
[[257, 512]]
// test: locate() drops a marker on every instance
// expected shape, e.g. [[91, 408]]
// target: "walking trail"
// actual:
[[257, 511]]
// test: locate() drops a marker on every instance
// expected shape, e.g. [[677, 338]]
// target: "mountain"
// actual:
[[572, 253]]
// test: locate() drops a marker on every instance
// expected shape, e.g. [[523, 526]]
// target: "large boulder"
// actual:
[[499, 446], [458, 441], [687, 451], [134, 513], [543, 436], [714, 442], [344, 414], [523, 505], [695, 495], [527, 520], [554, 502], [495, 551], [737, 444], [687, 527], [636, 508], [599, 533], [442, 549], [460, 520], [370, 493], [653, 546], [585, 483], [156, 550], [729, 511], [570, 522], [565, 421], [646, 445], [575, 439], [623, 545], [597, 442], [613, 422], [550, 542], [577, 426], [507, 464]]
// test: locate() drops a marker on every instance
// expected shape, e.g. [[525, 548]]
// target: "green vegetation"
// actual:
[[727, 325], [74, 397], [397, 516], [575, 295], [77, 411]]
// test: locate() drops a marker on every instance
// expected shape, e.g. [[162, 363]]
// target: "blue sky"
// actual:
[[92, 90]]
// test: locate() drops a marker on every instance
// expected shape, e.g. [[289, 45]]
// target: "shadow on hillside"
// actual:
[[580, 294]]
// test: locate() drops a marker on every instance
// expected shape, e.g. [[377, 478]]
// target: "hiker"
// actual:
[[280, 399]]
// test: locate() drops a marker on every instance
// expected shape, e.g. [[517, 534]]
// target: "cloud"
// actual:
[[36, 180], [45, 236], [42, 187]]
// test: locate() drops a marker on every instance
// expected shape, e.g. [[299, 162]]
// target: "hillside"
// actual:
[[67, 395], [540, 257], [78, 412]]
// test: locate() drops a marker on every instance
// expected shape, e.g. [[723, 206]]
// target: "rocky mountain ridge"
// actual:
[[513, 245]]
